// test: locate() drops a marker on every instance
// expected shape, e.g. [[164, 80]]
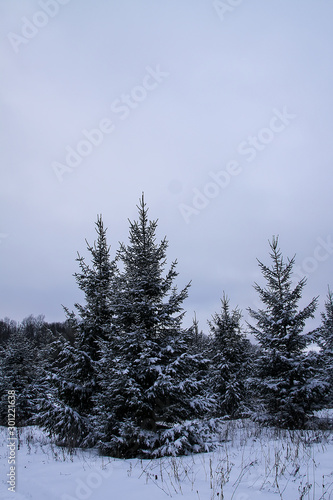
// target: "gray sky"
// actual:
[[221, 112]]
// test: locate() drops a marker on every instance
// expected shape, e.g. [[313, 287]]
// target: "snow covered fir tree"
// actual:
[[150, 379], [287, 382], [230, 361], [130, 379], [325, 341], [66, 405]]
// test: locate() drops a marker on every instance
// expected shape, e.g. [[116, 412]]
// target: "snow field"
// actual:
[[249, 463]]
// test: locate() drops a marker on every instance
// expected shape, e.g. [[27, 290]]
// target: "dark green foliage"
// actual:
[[325, 341], [149, 376], [19, 372], [66, 405], [230, 361], [288, 387], [96, 282]]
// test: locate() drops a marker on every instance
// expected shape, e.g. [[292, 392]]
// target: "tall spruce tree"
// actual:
[[66, 407], [325, 341], [150, 379], [287, 382], [230, 361]]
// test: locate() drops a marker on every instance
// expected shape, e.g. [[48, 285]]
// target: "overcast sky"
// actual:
[[220, 112]]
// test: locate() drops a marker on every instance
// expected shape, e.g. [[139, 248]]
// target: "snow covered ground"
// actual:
[[250, 463]]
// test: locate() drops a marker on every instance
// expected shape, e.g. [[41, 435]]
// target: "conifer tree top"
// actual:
[[280, 323]]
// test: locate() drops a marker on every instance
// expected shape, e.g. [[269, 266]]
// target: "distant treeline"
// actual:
[[34, 329]]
